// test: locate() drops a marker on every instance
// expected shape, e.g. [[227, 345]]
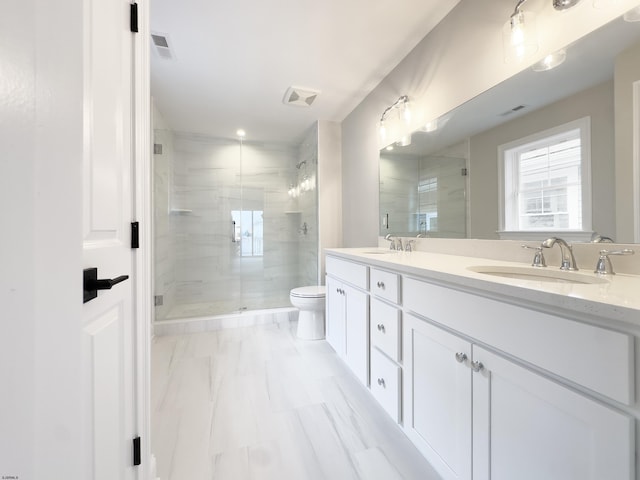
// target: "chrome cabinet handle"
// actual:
[[381, 382], [461, 357], [380, 285], [381, 328], [477, 366]]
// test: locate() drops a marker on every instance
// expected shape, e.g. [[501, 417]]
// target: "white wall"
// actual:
[[41, 243], [461, 58]]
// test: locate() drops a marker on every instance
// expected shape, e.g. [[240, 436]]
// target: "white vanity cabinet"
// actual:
[[347, 314], [475, 414], [437, 396], [489, 386], [529, 427], [385, 334]]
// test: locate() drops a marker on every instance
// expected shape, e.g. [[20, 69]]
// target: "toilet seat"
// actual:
[[315, 291]]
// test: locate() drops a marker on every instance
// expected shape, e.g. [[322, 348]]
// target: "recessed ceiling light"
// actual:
[[241, 133]]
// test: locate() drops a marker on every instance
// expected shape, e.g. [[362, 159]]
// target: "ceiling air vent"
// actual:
[[514, 109], [301, 97], [161, 44]]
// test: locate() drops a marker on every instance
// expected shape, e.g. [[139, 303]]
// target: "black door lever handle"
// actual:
[[91, 283]]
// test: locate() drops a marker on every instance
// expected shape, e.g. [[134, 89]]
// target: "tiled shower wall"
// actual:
[[400, 199], [210, 178]]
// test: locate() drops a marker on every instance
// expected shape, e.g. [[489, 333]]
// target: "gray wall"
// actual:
[[597, 103], [627, 69]]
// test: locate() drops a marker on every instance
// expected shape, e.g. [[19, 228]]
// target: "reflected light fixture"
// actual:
[[564, 4], [402, 107], [632, 15], [550, 61], [519, 35]]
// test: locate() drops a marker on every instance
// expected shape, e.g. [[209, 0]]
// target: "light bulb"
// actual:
[[519, 37], [382, 130], [406, 113]]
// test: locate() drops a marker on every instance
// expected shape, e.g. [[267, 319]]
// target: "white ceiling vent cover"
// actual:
[[161, 44], [300, 96]]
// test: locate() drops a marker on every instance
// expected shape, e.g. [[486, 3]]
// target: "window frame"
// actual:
[[506, 173]]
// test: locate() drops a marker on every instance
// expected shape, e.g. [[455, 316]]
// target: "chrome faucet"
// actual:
[[396, 242], [568, 260]]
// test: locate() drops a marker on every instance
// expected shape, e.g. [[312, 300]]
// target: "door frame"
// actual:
[[142, 199]]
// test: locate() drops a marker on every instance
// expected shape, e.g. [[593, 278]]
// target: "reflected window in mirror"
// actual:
[[546, 181]]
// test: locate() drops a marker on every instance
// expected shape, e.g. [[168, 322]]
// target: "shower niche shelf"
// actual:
[[292, 212]]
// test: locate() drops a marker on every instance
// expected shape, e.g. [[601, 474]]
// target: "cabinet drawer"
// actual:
[[353, 273], [385, 285], [385, 328], [595, 357], [385, 383]]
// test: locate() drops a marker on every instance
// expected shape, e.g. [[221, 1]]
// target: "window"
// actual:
[[248, 231], [546, 181]]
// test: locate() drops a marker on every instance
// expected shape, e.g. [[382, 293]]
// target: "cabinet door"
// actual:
[[357, 332], [437, 396], [528, 427], [335, 313]]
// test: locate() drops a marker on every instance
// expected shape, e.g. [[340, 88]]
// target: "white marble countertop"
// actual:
[[617, 298]]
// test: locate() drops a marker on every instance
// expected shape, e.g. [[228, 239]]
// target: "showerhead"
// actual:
[[298, 165]]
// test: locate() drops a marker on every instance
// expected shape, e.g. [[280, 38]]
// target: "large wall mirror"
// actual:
[[446, 182]]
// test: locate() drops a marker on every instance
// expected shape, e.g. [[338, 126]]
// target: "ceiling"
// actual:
[[232, 62]]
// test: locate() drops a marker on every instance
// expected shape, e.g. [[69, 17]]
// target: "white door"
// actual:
[[437, 396], [530, 428], [108, 320]]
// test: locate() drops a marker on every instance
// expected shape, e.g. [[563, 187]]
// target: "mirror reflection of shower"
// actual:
[[230, 234]]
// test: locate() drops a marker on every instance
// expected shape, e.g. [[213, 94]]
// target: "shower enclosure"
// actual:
[[236, 223]]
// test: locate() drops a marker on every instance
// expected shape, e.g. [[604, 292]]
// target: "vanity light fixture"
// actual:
[[402, 107], [632, 15], [550, 61], [519, 35]]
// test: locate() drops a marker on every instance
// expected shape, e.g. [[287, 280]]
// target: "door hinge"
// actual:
[[464, 172], [134, 17], [135, 235], [137, 452]]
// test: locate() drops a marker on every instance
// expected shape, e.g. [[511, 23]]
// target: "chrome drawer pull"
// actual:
[[380, 285], [461, 357], [381, 382], [381, 327]]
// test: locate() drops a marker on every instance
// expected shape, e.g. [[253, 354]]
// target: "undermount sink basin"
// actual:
[[378, 252], [548, 274]]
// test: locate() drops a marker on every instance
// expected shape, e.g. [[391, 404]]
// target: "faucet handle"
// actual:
[[604, 266], [538, 258], [408, 245]]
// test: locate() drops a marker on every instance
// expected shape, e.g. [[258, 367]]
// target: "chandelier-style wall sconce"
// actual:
[[520, 36], [403, 109]]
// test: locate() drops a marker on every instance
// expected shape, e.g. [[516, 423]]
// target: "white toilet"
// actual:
[[310, 302]]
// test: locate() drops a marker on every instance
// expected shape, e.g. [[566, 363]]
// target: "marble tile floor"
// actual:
[[256, 403]]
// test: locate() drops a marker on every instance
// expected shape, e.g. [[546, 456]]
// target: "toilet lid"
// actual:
[[315, 291]]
